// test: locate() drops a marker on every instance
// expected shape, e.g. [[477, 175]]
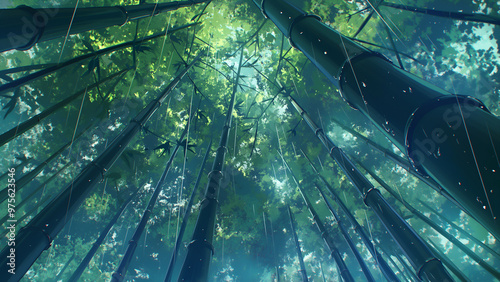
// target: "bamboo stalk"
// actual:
[[30, 77], [185, 218], [384, 267], [334, 251], [302, 270], [459, 16], [55, 21], [495, 273], [200, 250]]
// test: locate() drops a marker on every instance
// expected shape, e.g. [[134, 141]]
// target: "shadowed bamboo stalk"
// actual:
[[384, 267], [302, 270], [32, 194], [451, 266], [402, 163], [334, 251], [3, 73], [28, 213], [121, 271], [460, 16], [435, 226], [185, 218], [406, 271], [422, 259], [90, 254], [428, 123], [24, 161], [200, 249], [24, 26], [355, 251], [462, 231]]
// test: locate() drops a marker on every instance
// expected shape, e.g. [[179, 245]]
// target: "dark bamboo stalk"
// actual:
[[459, 16], [422, 259], [434, 225], [334, 251], [28, 78], [445, 136], [37, 235], [121, 271], [200, 249], [24, 26], [384, 267], [355, 251], [462, 231], [277, 268], [25, 68], [32, 194], [90, 254], [30, 123], [28, 177], [185, 218], [302, 270]]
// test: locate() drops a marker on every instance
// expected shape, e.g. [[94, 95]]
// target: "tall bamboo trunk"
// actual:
[[302, 270], [462, 231], [435, 226], [121, 271], [459, 16], [384, 267], [26, 79], [24, 26], [200, 249], [90, 254], [26, 199], [28, 177], [185, 218], [23, 163], [451, 266], [3, 73], [402, 163], [355, 251], [334, 251]]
